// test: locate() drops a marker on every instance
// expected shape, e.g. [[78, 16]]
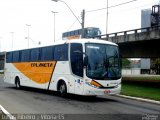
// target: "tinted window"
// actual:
[[25, 55], [35, 53], [103, 62], [76, 32], [72, 33], [76, 54], [16, 57], [9, 57], [63, 35], [47, 53], [61, 52]]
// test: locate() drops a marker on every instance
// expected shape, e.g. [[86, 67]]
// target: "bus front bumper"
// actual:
[[97, 91]]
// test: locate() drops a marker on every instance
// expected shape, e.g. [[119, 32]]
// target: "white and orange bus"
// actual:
[[80, 66]]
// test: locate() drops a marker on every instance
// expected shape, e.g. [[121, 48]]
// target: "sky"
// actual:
[[16, 15]]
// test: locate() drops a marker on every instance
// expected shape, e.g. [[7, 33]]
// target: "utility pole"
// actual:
[[28, 33], [107, 20], [83, 18], [12, 38], [54, 24]]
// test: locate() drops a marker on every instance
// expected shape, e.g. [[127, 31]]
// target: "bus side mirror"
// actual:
[[85, 61]]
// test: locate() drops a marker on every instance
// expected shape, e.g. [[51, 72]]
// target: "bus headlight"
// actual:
[[94, 84]]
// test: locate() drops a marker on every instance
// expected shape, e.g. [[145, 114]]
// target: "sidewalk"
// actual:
[[140, 99]]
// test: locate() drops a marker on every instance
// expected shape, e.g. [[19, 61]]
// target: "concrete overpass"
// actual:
[[137, 43]]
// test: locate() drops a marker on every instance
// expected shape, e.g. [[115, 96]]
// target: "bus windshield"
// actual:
[[93, 32], [103, 62]]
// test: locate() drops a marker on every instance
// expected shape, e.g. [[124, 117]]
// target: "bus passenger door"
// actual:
[[76, 60]]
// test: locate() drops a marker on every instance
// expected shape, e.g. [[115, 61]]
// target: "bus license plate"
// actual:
[[107, 91]]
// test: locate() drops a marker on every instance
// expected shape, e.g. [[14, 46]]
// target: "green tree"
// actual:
[[126, 63], [157, 65]]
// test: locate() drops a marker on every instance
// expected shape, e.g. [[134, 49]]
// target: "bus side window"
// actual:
[[47, 53], [72, 33], [76, 32], [35, 53], [85, 33], [76, 54], [8, 57], [61, 52], [63, 35], [25, 55], [16, 56]]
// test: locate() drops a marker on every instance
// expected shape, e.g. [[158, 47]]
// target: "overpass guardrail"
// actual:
[[139, 34]]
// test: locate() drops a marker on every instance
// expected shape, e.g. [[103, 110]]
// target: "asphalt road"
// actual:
[[42, 102]]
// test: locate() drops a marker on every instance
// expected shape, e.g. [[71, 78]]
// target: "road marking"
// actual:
[[140, 99], [7, 113]]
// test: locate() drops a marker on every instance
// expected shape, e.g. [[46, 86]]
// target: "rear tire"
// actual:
[[17, 83], [63, 89]]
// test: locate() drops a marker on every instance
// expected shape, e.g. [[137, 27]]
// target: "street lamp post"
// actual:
[[12, 38], [54, 24], [28, 33], [107, 19], [82, 24]]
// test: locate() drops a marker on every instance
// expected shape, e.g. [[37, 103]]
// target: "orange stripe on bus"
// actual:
[[73, 37], [39, 72]]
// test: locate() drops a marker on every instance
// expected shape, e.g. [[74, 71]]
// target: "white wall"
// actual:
[[132, 71]]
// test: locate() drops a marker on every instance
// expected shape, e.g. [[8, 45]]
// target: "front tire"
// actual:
[[63, 89]]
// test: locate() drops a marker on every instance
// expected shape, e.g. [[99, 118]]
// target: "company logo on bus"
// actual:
[[41, 64]]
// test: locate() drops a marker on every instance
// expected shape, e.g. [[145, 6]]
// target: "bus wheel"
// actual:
[[63, 89], [17, 83]]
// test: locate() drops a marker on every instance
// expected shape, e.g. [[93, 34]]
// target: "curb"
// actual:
[[139, 99], [7, 113]]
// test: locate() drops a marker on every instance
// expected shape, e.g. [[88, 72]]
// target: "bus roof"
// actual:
[[83, 41], [90, 41]]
